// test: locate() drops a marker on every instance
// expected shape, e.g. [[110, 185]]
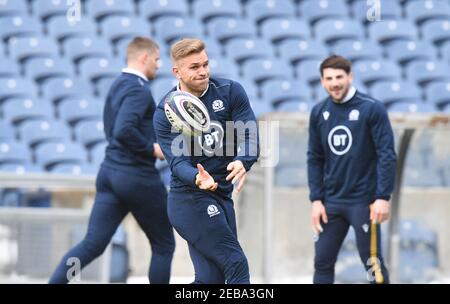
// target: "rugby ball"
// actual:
[[186, 113]]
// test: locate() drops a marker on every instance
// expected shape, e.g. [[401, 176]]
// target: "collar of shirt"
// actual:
[[204, 92], [350, 94], [134, 72]]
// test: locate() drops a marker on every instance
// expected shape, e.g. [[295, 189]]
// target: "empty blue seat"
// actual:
[[314, 11], [295, 50], [205, 10], [223, 68], [389, 10], [8, 68], [262, 69], [438, 93], [308, 71], [62, 28], [413, 107], [251, 89], [404, 51], [19, 168], [57, 89], [370, 71], [14, 87], [121, 48], [51, 154], [78, 48], [279, 91], [260, 10], [424, 72], [12, 152], [21, 109], [99, 67], [420, 11], [74, 110], [74, 169], [160, 87], [436, 31], [36, 132], [46, 9], [103, 85], [13, 8], [170, 29], [42, 69], [97, 153], [294, 106], [19, 26], [104, 8], [286, 176], [115, 28], [355, 50], [396, 91], [153, 9], [7, 133], [242, 49], [332, 30], [386, 32], [279, 29], [224, 28], [165, 68], [90, 133], [23, 48], [445, 51], [261, 107]]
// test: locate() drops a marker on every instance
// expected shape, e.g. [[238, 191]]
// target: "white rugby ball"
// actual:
[[186, 113]]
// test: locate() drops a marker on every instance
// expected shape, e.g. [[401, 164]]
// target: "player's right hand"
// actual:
[[205, 181], [318, 213]]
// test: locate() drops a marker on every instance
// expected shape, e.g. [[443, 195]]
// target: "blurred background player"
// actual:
[[351, 172], [127, 180], [200, 206]]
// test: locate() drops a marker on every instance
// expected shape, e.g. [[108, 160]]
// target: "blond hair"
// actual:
[[139, 45], [186, 47]]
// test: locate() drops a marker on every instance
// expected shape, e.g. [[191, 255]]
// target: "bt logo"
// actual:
[[340, 140]]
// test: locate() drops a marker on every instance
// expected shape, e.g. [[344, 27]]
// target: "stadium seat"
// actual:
[[13, 8], [165, 68], [424, 72], [308, 71], [15, 87], [160, 87], [396, 91], [78, 48], [412, 107], [404, 51], [369, 71], [23, 48], [445, 51], [294, 50], [438, 93], [115, 28], [260, 107], [386, 32], [104, 8], [223, 68], [7, 133], [314, 11], [154, 9], [90, 133], [36, 132], [421, 11], [389, 10], [169, 29], [421, 177], [280, 91], [224, 28], [262, 69], [76, 109], [331, 31], [242, 49], [51, 154], [278, 29], [251, 89], [120, 48], [19, 26], [99, 67], [207, 10], [213, 48], [57, 89], [286, 176], [62, 28], [355, 50], [103, 85], [74, 169], [8, 68], [260, 10], [18, 110], [12, 152], [42, 69], [97, 153], [19, 168], [436, 31], [46, 9]]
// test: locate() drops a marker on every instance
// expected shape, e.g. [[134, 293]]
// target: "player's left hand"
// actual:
[[237, 174], [379, 211]]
